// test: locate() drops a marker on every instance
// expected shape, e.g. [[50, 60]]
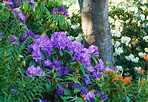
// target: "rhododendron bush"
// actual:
[[39, 63]]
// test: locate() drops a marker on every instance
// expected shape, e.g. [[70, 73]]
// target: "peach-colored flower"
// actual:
[[141, 82], [126, 80], [110, 71], [141, 71], [146, 57]]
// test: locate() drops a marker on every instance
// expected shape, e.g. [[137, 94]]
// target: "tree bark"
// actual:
[[95, 27]]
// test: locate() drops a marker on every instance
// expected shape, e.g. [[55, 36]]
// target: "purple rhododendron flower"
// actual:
[[46, 62], [90, 96], [60, 40], [13, 39], [13, 91], [83, 90], [100, 66], [63, 70], [18, 13], [97, 75], [0, 34], [60, 91], [55, 11], [34, 71], [55, 64], [43, 100], [62, 10], [76, 85], [9, 2], [22, 17], [31, 2], [93, 50], [41, 43], [101, 94], [18, 2]]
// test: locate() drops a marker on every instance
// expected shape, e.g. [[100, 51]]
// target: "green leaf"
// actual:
[[48, 87], [74, 79], [63, 98], [25, 5], [61, 21], [4, 14], [79, 100], [32, 63], [61, 52], [76, 90], [82, 69], [66, 91]]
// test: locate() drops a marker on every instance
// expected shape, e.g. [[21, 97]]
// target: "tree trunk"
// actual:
[[95, 27]]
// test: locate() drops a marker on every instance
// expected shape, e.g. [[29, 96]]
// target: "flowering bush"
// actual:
[[40, 63], [129, 28]]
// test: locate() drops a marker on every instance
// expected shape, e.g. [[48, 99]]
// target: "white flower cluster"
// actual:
[[117, 44], [118, 51], [125, 40], [132, 58], [145, 38], [119, 68], [75, 26], [74, 8], [79, 38], [142, 55], [136, 69]]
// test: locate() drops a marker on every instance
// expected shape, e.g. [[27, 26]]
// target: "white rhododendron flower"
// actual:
[[75, 26], [71, 38], [119, 68], [116, 33], [74, 8], [143, 1], [132, 58], [125, 40], [126, 74], [136, 69], [133, 9], [145, 38], [142, 16], [79, 38], [142, 55], [118, 51], [117, 44], [69, 21]]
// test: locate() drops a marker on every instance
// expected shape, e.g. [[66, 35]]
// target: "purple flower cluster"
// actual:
[[80, 54], [41, 43], [13, 39], [60, 91], [19, 14], [83, 91], [76, 85], [33, 71], [13, 91], [60, 40], [43, 100], [9, 3], [63, 70], [0, 34], [90, 96], [62, 11], [101, 94]]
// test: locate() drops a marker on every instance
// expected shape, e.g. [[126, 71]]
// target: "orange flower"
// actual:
[[57, 57], [110, 71], [119, 77], [141, 71], [126, 80], [146, 57], [141, 82], [78, 70]]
